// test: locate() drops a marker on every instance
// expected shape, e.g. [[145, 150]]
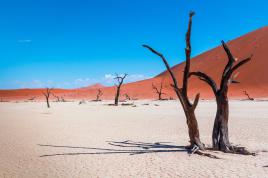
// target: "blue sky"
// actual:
[[74, 43]]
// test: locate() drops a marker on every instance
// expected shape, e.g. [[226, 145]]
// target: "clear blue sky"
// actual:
[[72, 43]]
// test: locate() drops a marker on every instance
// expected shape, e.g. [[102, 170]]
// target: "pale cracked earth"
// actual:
[[96, 140]]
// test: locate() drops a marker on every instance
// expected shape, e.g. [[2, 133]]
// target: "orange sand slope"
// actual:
[[253, 76]]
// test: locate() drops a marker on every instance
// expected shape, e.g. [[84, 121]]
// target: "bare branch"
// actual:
[[226, 79], [204, 77], [231, 59], [196, 100], [232, 79], [175, 83], [228, 51], [44, 94], [188, 50], [244, 61], [120, 79], [246, 93], [57, 97]]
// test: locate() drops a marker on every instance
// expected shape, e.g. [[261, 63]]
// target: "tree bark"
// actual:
[[47, 95], [48, 105], [188, 107], [117, 96], [159, 96], [193, 130], [220, 136], [120, 80]]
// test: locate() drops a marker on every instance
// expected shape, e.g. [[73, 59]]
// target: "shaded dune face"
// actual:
[[253, 76]]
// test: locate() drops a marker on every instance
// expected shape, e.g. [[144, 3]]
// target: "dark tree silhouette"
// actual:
[[159, 91], [249, 98], [188, 107], [220, 134], [99, 94], [47, 94], [120, 81]]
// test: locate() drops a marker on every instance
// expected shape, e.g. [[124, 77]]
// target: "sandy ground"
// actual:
[[96, 140]]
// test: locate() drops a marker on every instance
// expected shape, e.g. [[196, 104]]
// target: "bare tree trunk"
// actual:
[[47, 99], [193, 130], [159, 96], [47, 95], [188, 107], [120, 80], [116, 99], [220, 136]]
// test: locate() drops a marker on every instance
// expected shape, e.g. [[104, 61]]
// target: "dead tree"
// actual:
[[220, 134], [57, 97], [47, 94], [127, 96], [181, 93], [249, 98], [99, 94], [32, 98], [159, 91], [120, 80]]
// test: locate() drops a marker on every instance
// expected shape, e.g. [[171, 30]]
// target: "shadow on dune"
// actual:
[[134, 148]]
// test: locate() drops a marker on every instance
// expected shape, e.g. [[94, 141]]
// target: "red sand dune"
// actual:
[[253, 76]]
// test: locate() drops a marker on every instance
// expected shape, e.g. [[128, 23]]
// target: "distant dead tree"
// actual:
[[32, 98], [120, 79], [220, 134], [127, 96], [249, 98], [58, 99], [159, 91], [181, 93], [99, 94], [47, 94], [62, 99]]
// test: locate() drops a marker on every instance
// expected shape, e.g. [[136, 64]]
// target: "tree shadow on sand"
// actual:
[[133, 148]]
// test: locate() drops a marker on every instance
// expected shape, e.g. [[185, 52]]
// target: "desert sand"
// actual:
[[96, 140]]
